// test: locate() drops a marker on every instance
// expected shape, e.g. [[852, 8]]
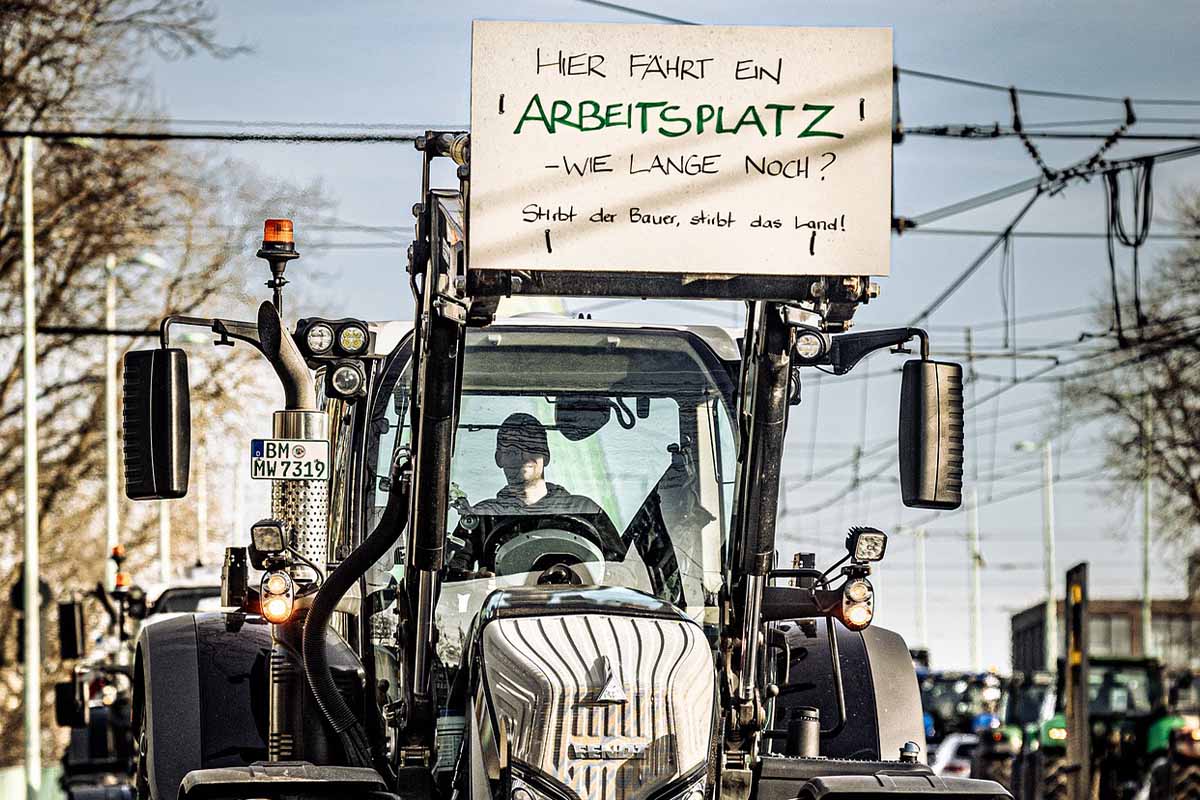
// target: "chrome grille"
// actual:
[[546, 674]]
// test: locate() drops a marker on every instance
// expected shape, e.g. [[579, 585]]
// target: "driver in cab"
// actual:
[[526, 502]]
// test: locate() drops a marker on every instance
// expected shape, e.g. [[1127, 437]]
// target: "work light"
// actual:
[[352, 339], [866, 544], [268, 542], [811, 345], [319, 338]]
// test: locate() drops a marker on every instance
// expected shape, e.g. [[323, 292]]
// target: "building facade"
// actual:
[[1115, 629]]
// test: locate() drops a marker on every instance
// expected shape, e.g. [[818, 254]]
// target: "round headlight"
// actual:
[[319, 338], [352, 339], [858, 616], [276, 583], [810, 345], [858, 591], [347, 380], [277, 609]]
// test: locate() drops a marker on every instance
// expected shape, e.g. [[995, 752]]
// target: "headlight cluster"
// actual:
[[858, 604], [338, 337], [278, 596]]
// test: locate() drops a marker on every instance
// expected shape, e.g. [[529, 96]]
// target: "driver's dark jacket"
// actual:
[[508, 502]]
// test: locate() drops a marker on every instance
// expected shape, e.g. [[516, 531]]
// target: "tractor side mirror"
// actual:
[[931, 434], [72, 642], [156, 424]]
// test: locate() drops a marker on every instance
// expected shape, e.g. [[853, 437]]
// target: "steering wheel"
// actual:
[[536, 543]]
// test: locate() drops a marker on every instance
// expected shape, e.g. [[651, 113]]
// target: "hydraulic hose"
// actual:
[[337, 711]]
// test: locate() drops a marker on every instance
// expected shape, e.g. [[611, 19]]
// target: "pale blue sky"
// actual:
[[408, 62]]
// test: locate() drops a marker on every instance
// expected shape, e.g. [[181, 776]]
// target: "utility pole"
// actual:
[[240, 530], [110, 421], [164, 541], [1147, 621], [1050, 644], [202, 502], [922, 589], [976, 559], [33, 600]]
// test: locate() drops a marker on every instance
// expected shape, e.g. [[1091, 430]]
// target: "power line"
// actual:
[[971, 203], [939, 515], [245, 123], [1082, 170], [1043, 317], [935, 76], [1066, 123], [976, 264], [639, 12], [996, 132], [1179, 237], [215, 136]]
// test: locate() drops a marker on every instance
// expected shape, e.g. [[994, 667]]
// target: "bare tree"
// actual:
[[1146, 396], [66, 65]]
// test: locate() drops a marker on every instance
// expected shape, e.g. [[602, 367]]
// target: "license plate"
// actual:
[[289, 460]]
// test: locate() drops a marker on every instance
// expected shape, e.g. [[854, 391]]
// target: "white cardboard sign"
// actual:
[[673, 148]]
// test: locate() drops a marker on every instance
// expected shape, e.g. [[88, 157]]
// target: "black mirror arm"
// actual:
[[226, 329], [847, 350], [791, 602]]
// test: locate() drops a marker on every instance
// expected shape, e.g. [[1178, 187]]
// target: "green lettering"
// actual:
[[592, 113], [540, 116], [721, 121], [824, 113], [646, 106], [612, 116], [687, 123], [704, 113], [750, 117], [560, 111], [779, 108]]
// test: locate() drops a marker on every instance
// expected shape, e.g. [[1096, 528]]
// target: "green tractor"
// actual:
[[1179, 767], [1134, 737], [1016, 731]]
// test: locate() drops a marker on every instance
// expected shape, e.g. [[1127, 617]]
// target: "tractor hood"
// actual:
[[594, 692]]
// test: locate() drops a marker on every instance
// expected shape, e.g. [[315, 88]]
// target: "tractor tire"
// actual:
[[141, 771], [1056, 784], [1184, 780], [998, 769]]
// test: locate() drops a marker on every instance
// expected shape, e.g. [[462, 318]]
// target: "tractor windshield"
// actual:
[[583, 456], [1027, 705], [1114, 689]]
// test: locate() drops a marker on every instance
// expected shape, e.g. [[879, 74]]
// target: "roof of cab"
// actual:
[[723, 341]]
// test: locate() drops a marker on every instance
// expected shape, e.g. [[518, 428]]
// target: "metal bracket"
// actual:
[[848, 349]]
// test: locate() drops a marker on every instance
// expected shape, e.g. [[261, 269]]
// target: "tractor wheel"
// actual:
[[141, 766], [1055, 782], [1184, 780], [998, 769]]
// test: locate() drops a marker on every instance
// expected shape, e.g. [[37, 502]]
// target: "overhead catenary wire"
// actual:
[[1061, 95], [976, 264], [212, 136], [646, 14], [980, 232], [997, 132]]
